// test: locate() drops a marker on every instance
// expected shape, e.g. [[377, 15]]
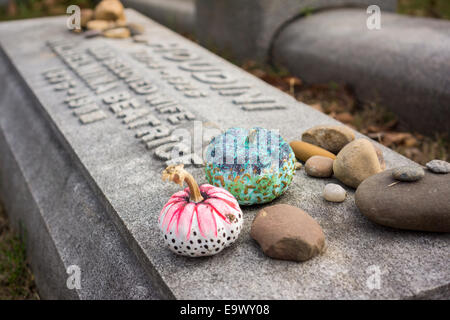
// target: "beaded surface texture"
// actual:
[[255, 166]]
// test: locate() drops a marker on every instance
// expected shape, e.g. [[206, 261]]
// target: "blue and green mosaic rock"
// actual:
[[255, 165]]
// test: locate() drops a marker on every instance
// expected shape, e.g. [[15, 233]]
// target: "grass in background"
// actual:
[[425, 8], [16, 279], [26, 9]]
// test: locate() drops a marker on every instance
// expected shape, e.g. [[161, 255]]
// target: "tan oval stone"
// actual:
[[356, 162], [109, 10], [319, 166], [303, 151], [330, 137], [288, 233], [117, 33], [99, 25]]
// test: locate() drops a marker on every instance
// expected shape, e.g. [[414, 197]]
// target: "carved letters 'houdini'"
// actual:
[[142, 106]]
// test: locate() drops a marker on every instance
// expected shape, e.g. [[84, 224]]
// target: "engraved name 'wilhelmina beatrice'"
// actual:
[[151, 114]]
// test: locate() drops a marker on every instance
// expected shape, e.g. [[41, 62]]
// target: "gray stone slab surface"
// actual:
[[49, 201], [125, 176]]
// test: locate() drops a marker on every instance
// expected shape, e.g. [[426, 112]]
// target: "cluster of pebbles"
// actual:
[[407, 197], [289, 233], [107, 19], [329, 150]]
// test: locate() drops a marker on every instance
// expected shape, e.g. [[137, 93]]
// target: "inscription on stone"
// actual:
[[152, 114], [102, 70]]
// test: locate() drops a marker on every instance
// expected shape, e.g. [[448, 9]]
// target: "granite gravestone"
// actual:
[[87, 126], [253, 26]]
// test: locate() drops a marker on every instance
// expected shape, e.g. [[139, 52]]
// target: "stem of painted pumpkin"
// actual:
[[177, 174]]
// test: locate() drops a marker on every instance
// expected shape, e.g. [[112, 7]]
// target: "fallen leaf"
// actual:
[[395, 137], [410, 142], [317, 106], [258, 73], [344, 117], [374, 128]]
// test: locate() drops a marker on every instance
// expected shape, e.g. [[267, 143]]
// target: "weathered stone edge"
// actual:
[[16, 190]]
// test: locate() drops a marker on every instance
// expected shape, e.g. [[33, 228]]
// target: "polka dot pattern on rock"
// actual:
[[201, 245], [203, 228]]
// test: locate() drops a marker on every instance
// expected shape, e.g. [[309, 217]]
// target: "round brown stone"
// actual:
[[320, 167], [288, 233]]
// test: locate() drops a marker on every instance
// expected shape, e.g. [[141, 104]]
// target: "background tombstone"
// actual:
[[246, 29]]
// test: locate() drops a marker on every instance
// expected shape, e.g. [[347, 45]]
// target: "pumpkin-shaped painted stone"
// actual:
[[200, 220], [255, 165]]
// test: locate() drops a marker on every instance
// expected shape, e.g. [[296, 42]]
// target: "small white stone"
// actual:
[[334, 193], [438, 166]]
